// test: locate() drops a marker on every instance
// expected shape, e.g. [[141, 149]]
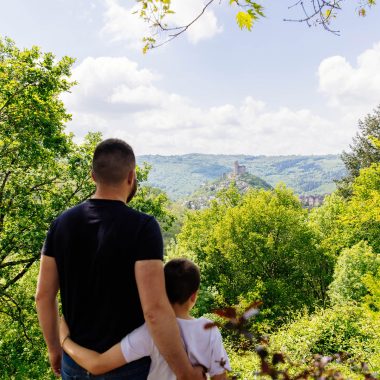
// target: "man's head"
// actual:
[[182, 280], [114, 163]]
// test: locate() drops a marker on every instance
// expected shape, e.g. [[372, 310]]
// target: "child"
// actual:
[[203, 346]]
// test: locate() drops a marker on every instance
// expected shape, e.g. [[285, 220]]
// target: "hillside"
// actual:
[[180, 176], [201, 197]]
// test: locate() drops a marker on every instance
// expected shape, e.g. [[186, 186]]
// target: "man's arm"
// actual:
[[161, 319], [47, 309]]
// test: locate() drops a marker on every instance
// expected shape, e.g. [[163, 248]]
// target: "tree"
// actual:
[[326, 224], [363, 151], [258, 246], [42, 172], [32, 148], [361, 219], [156, 13], [341, 223], [352, 265]]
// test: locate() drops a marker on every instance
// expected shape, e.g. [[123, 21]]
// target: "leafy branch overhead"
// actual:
[[157, 14]]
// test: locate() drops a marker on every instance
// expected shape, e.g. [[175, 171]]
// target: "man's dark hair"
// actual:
[[113, 160], [182, 279]]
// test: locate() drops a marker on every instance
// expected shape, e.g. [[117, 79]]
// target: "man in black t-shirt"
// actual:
[[106, 260]]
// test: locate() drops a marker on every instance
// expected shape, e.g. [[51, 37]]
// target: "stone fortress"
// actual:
[[239, 169]]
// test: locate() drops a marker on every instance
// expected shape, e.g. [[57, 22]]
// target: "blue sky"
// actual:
[[283, 88]]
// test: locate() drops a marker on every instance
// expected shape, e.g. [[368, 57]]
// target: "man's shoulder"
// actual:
[[138, 214], [71, 212]]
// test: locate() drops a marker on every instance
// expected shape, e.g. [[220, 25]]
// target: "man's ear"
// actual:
[[93, 176]]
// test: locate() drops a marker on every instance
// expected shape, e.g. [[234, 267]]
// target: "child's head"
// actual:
[[182, 280]]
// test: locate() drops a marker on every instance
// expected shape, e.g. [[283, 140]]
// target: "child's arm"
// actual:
[[92, 361]]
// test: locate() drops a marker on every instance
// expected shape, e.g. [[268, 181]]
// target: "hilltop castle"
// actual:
[[239, 169]]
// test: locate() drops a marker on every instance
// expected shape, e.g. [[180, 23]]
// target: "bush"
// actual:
[[352, 265], [348, 328]]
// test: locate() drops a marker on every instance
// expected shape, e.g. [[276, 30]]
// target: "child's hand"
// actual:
[[64, 331]]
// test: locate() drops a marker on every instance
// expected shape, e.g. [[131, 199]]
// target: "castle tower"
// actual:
[[239, 169], [236, 168]]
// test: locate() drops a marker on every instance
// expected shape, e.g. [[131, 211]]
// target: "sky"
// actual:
[[284, 88]]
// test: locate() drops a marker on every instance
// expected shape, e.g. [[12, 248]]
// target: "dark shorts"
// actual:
[[137, 370]]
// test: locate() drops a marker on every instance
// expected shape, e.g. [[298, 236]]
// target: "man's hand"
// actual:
[[55, 357], [199, 373]]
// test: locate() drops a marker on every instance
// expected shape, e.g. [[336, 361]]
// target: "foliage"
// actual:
[[258, 245], [156, 13], [42, 172], [23, 352], [347, 328], [352, 265], [33, 153], [342, 223], [364, 151], [151, 200], [324, 221], [342, 342], [361, 219], [372, 283]]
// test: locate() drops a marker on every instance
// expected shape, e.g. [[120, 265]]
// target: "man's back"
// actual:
[[96, 245]]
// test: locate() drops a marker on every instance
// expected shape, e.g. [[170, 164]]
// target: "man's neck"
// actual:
[[109, 194]]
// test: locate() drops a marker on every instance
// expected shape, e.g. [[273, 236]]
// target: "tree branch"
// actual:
[[321, 14], [16, 93], [2, 187], [181, 29], [18, 276], [12, 263], [19, 319]]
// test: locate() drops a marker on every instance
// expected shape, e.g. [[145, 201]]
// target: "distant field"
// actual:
[[180, 176]]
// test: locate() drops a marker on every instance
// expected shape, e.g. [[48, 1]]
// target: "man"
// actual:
[[106, 260]]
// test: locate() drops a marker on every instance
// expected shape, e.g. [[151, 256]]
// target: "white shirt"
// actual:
[[204, 347]]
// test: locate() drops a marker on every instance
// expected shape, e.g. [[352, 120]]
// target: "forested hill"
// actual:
[[180, 176]]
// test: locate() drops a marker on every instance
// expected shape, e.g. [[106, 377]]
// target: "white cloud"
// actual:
[[231, 129], [122, 25], [121, 99], [109, 84], [353, 89]]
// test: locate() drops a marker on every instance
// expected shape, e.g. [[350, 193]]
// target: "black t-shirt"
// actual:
[[96, 245]]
